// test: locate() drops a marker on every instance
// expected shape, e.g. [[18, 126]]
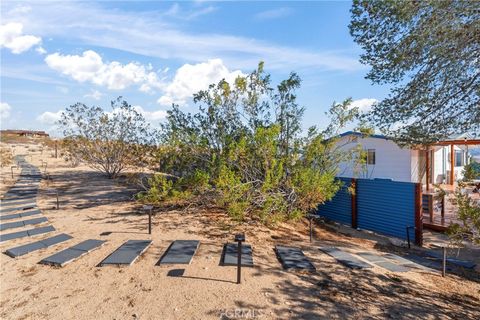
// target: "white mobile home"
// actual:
[[387, 160]]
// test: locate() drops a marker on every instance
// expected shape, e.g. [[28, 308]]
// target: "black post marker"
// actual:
[[408, 237], [150, 222], [444, 261], [239, 238], [149, 208], [311, 230]]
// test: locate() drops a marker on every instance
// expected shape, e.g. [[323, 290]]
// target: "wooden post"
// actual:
[[427, 169], [430, 206], [56, 154], [418, 215], [443, 209], [452, 163], [354, 204], [432, 165]]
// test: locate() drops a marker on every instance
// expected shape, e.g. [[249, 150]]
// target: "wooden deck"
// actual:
[[435, 220]]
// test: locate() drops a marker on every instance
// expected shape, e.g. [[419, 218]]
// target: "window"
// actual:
[[459, 158], [371, 156]]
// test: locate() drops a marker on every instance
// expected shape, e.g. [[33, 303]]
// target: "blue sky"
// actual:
[[153, 53]]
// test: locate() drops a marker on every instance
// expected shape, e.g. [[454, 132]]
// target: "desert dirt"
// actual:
[[92, 205]]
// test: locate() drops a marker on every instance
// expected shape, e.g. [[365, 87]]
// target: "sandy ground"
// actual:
[[91, 205]]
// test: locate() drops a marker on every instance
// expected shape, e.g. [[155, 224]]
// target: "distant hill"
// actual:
[[475, 152]]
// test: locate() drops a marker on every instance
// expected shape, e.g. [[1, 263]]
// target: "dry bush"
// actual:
[[6, 157]]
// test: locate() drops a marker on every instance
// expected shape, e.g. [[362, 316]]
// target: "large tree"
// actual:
[[245, 150], [429, 52]]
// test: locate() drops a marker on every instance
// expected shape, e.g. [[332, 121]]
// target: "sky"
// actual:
[[155, 53]]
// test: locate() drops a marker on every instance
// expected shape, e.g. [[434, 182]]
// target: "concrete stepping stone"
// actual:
[[292, 258], [11, 225], [16, 201], [25, 188], [22, 214], [382, 262], [22, 223], [26, 233], [346, 258], [19, 208], [127, 253], [41, 230], [21, 192], [29, 201], [10, 216], [458, 262], [37, 245], [71, 254], [405, 262], [230, 255], [180, 252]]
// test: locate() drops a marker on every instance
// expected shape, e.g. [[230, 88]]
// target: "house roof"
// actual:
[[459, 139], [359, 134]]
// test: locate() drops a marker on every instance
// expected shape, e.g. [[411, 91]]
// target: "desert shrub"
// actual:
[[6, 157], [109, 142], [468, 215], [246, 147], [471, 171], [159, 187]]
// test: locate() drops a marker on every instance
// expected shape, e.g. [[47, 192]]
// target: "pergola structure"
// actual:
[[452, 143]]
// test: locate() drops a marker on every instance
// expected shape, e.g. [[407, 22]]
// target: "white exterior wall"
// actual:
[[442, 165], [399, 164], [417, 165], [392, 162]]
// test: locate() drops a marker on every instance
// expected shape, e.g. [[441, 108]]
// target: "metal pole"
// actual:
[[58, 204], [444, 262], [150, 221], [239, 262], [408, 237], [311, 230]]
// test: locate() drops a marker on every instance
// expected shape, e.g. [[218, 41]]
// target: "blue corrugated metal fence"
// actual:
[[382, 205], [386, 206], [340, 207]]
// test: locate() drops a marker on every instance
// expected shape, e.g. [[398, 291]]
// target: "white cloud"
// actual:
[[152, 116], [4, 110], [89, 67], [175, 11], [190, 79], [11, 37], [363, 105], [41, 50], [20, 9], [273, 13], [49, 118], [94, 94], [155, 35]]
